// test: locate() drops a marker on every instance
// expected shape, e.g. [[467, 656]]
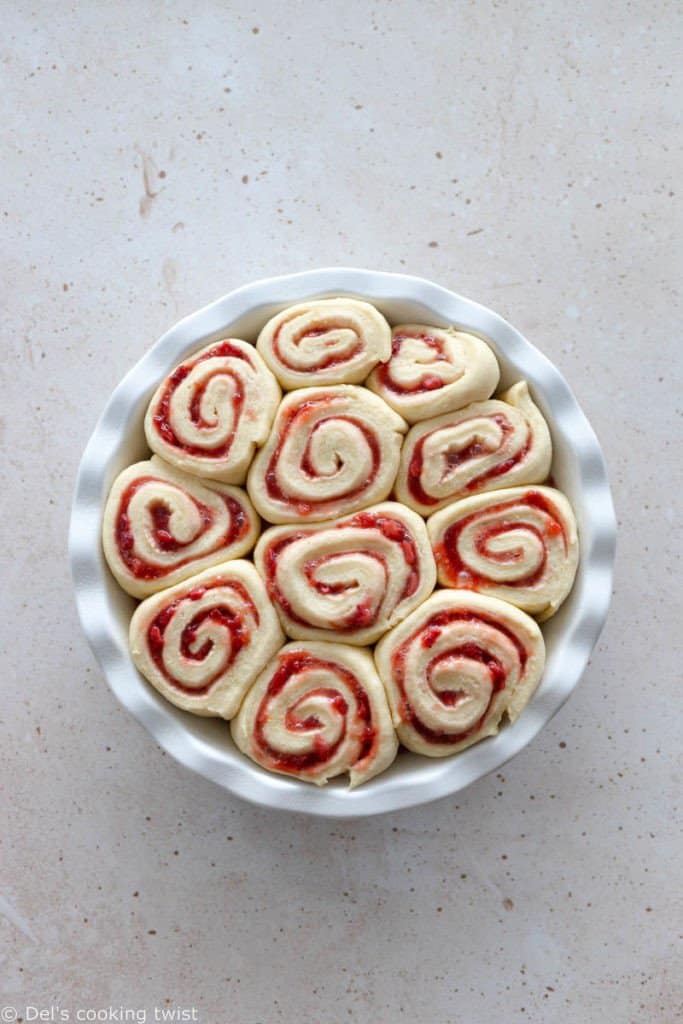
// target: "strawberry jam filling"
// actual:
[[161, 534], [298, 418], [332, 697], [364, 614], [428, 381], [220, 613], [456, 458], [290, 666], [460, 574], [324, 362], [427, 636], [472, 652], [162, 418], [395, 531]]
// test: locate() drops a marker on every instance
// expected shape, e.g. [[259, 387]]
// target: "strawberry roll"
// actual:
[[317, 711], [350, 579], [455, 667], [434, 370], [483, 447], [331, 451], [325, 341], [203, 642], [519, 544], [161, 526], [211, 412]]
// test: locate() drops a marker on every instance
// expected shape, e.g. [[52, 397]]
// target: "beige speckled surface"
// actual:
[[157, 156]]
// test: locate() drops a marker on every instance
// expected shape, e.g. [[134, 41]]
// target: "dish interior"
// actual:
[[205, 744]]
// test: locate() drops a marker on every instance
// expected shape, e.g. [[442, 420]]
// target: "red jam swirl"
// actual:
[[460, 574], [428, 381], [219, 613], [427, 635], [161, 417], [325, 361], [161, 535], [290, 665], [363, 615], [455, 459], [297, 418]]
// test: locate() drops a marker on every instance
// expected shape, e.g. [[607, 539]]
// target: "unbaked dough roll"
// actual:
[[209, 414], [203, 642], [455, 666], [318, 710], [325, 341], [519, 544], [161, 526], [350, 579], [331, 451], [434, 370], [485, 446]]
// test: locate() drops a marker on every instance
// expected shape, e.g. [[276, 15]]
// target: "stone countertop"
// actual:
[[157, 156]]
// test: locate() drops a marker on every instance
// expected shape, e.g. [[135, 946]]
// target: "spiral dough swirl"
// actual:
[[483, 447], [331, 451], [210, 413], [350, 579], [455, 666], [316, 711], [325, 341], [203, 642], [519, 544], [434, 370], [161, 526]]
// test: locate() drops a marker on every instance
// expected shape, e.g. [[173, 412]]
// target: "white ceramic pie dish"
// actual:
[[205, 744]]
